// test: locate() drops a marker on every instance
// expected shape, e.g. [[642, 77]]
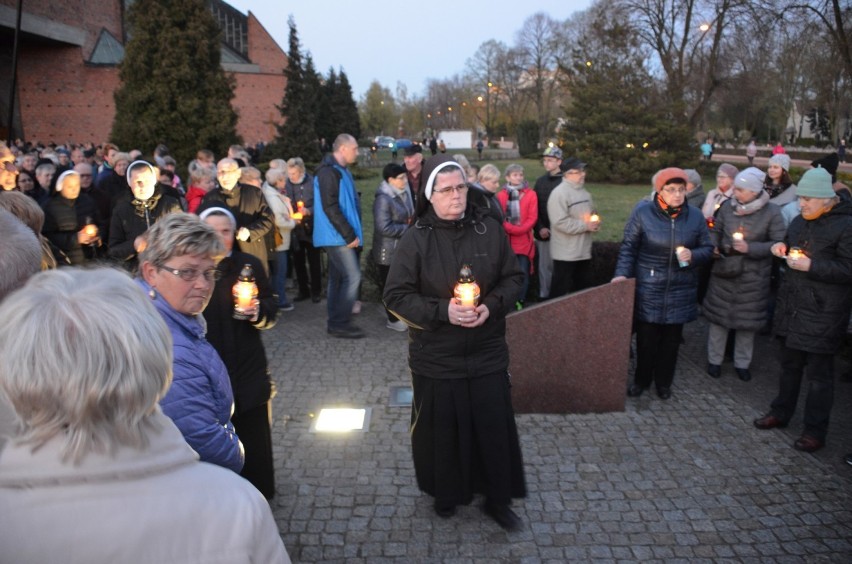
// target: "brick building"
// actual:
[[67, 69]]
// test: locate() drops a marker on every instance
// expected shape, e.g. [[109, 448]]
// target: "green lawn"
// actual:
[[613, 203]]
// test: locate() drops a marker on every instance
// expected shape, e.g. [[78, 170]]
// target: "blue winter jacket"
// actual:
[[337, 210], [200, 400], [665, 292]]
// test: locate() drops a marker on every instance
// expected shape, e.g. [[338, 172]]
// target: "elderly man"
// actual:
[[412, 156], [246, 202], [337, 227]]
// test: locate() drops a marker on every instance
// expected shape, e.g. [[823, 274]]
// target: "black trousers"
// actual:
[[819, 369], [384, 269], [570, 276], [656, 353], [307, 286], [254, 430]]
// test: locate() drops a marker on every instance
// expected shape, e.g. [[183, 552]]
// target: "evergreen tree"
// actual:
[[619, 122], [327, 128], [173, 89], [297, 136], [345, 107]]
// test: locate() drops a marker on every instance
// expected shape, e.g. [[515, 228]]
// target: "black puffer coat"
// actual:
[[420, 285], [742, 301], [665, 292], [813, 307], [132, 218], [238, 342], [63, 219]]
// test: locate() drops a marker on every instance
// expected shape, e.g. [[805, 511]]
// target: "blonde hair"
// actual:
[[488, 172], [109, 361]]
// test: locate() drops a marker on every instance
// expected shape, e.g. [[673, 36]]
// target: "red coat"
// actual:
[[521, 236]]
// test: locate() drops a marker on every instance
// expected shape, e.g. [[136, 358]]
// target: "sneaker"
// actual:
[[397, 326], [356, 307], [286, 307]]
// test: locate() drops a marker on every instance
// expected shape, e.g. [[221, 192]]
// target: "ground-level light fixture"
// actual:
[[341, 420]]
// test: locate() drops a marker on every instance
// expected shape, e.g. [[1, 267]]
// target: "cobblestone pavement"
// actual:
[[689, 479]]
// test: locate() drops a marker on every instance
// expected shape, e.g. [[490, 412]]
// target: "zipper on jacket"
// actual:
[[671, 270]]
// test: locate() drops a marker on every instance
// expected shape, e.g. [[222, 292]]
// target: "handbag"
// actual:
[[728, 266]]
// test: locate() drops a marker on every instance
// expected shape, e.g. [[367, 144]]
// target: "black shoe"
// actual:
[[635, 390], [503, 515], [664, 392], [347, 333], [769, 421], [744, 374], [445, 511], [301, 297], [714, 370]]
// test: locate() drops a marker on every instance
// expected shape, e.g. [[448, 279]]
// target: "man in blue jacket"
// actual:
[[337, 228]]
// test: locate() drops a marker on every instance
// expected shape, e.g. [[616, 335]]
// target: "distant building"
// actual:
[[67, 69]]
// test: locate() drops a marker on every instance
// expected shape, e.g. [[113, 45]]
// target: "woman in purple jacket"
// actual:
[[179, 273]]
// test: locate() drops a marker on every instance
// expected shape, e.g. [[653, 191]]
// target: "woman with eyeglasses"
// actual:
[[178, 272], [240, 347], [463, 434], [665, 240]]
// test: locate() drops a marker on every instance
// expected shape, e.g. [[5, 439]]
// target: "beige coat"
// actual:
[[157, 506], [568, 207]]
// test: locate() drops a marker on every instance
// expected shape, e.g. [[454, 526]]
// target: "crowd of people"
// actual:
[[753, 252]]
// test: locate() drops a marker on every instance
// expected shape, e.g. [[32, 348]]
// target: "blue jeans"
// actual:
[[344, 278], [279, 279]]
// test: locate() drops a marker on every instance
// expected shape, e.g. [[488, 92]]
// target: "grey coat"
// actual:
[[742, 301], [391, 218]]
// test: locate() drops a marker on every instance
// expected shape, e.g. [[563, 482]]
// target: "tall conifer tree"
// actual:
[[173, 88], [297, 136]]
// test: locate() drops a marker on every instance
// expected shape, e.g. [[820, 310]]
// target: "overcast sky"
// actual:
[[405, 42]]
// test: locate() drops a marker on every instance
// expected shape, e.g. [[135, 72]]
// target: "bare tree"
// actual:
[[482, 71]]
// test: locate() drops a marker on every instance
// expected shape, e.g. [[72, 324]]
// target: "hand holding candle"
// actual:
[[798, 260], [684, 255], [739, 244], [300, 210]]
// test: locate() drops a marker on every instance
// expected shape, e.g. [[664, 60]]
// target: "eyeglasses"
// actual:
[[192, 274], [461, 189], [668, 190], [575, 172]]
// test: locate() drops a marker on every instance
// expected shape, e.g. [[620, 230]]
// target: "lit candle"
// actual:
[[300, 210], [738, 236], [91, 230], [244, 292], [678, 252], [595, 217], [466, 290], [795, 253]]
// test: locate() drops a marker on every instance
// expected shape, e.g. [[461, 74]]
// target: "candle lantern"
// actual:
[[300, 210], [711, 222], [244, 292], [795, 253], [466, 290], [682, 263]]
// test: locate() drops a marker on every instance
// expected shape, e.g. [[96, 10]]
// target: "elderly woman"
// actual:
[[664, 241], [133, 217], [71, 218], [463, 433], [300, 188], [240, 347], [282, 210], [93, 452], [178, 272], [483, 191], [746, 227], [393, 213], [722, 192], [813, 306]]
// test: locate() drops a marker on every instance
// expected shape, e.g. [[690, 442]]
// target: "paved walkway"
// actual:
[[687, 480]]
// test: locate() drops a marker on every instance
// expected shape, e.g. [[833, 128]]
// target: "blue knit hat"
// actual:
[[815, 183]]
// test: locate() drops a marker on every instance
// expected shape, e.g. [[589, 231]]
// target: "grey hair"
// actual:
[[45, 167], [249, 175], [274, 175], [462, 160], [488, 172], [278, 163], [200, 172], [343, 139], [20, 253], [110, 361], [121, 157], [179, 234], [296, 162], [514, 167]]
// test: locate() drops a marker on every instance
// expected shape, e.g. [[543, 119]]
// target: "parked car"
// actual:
[[383, 142], [403, 143]]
